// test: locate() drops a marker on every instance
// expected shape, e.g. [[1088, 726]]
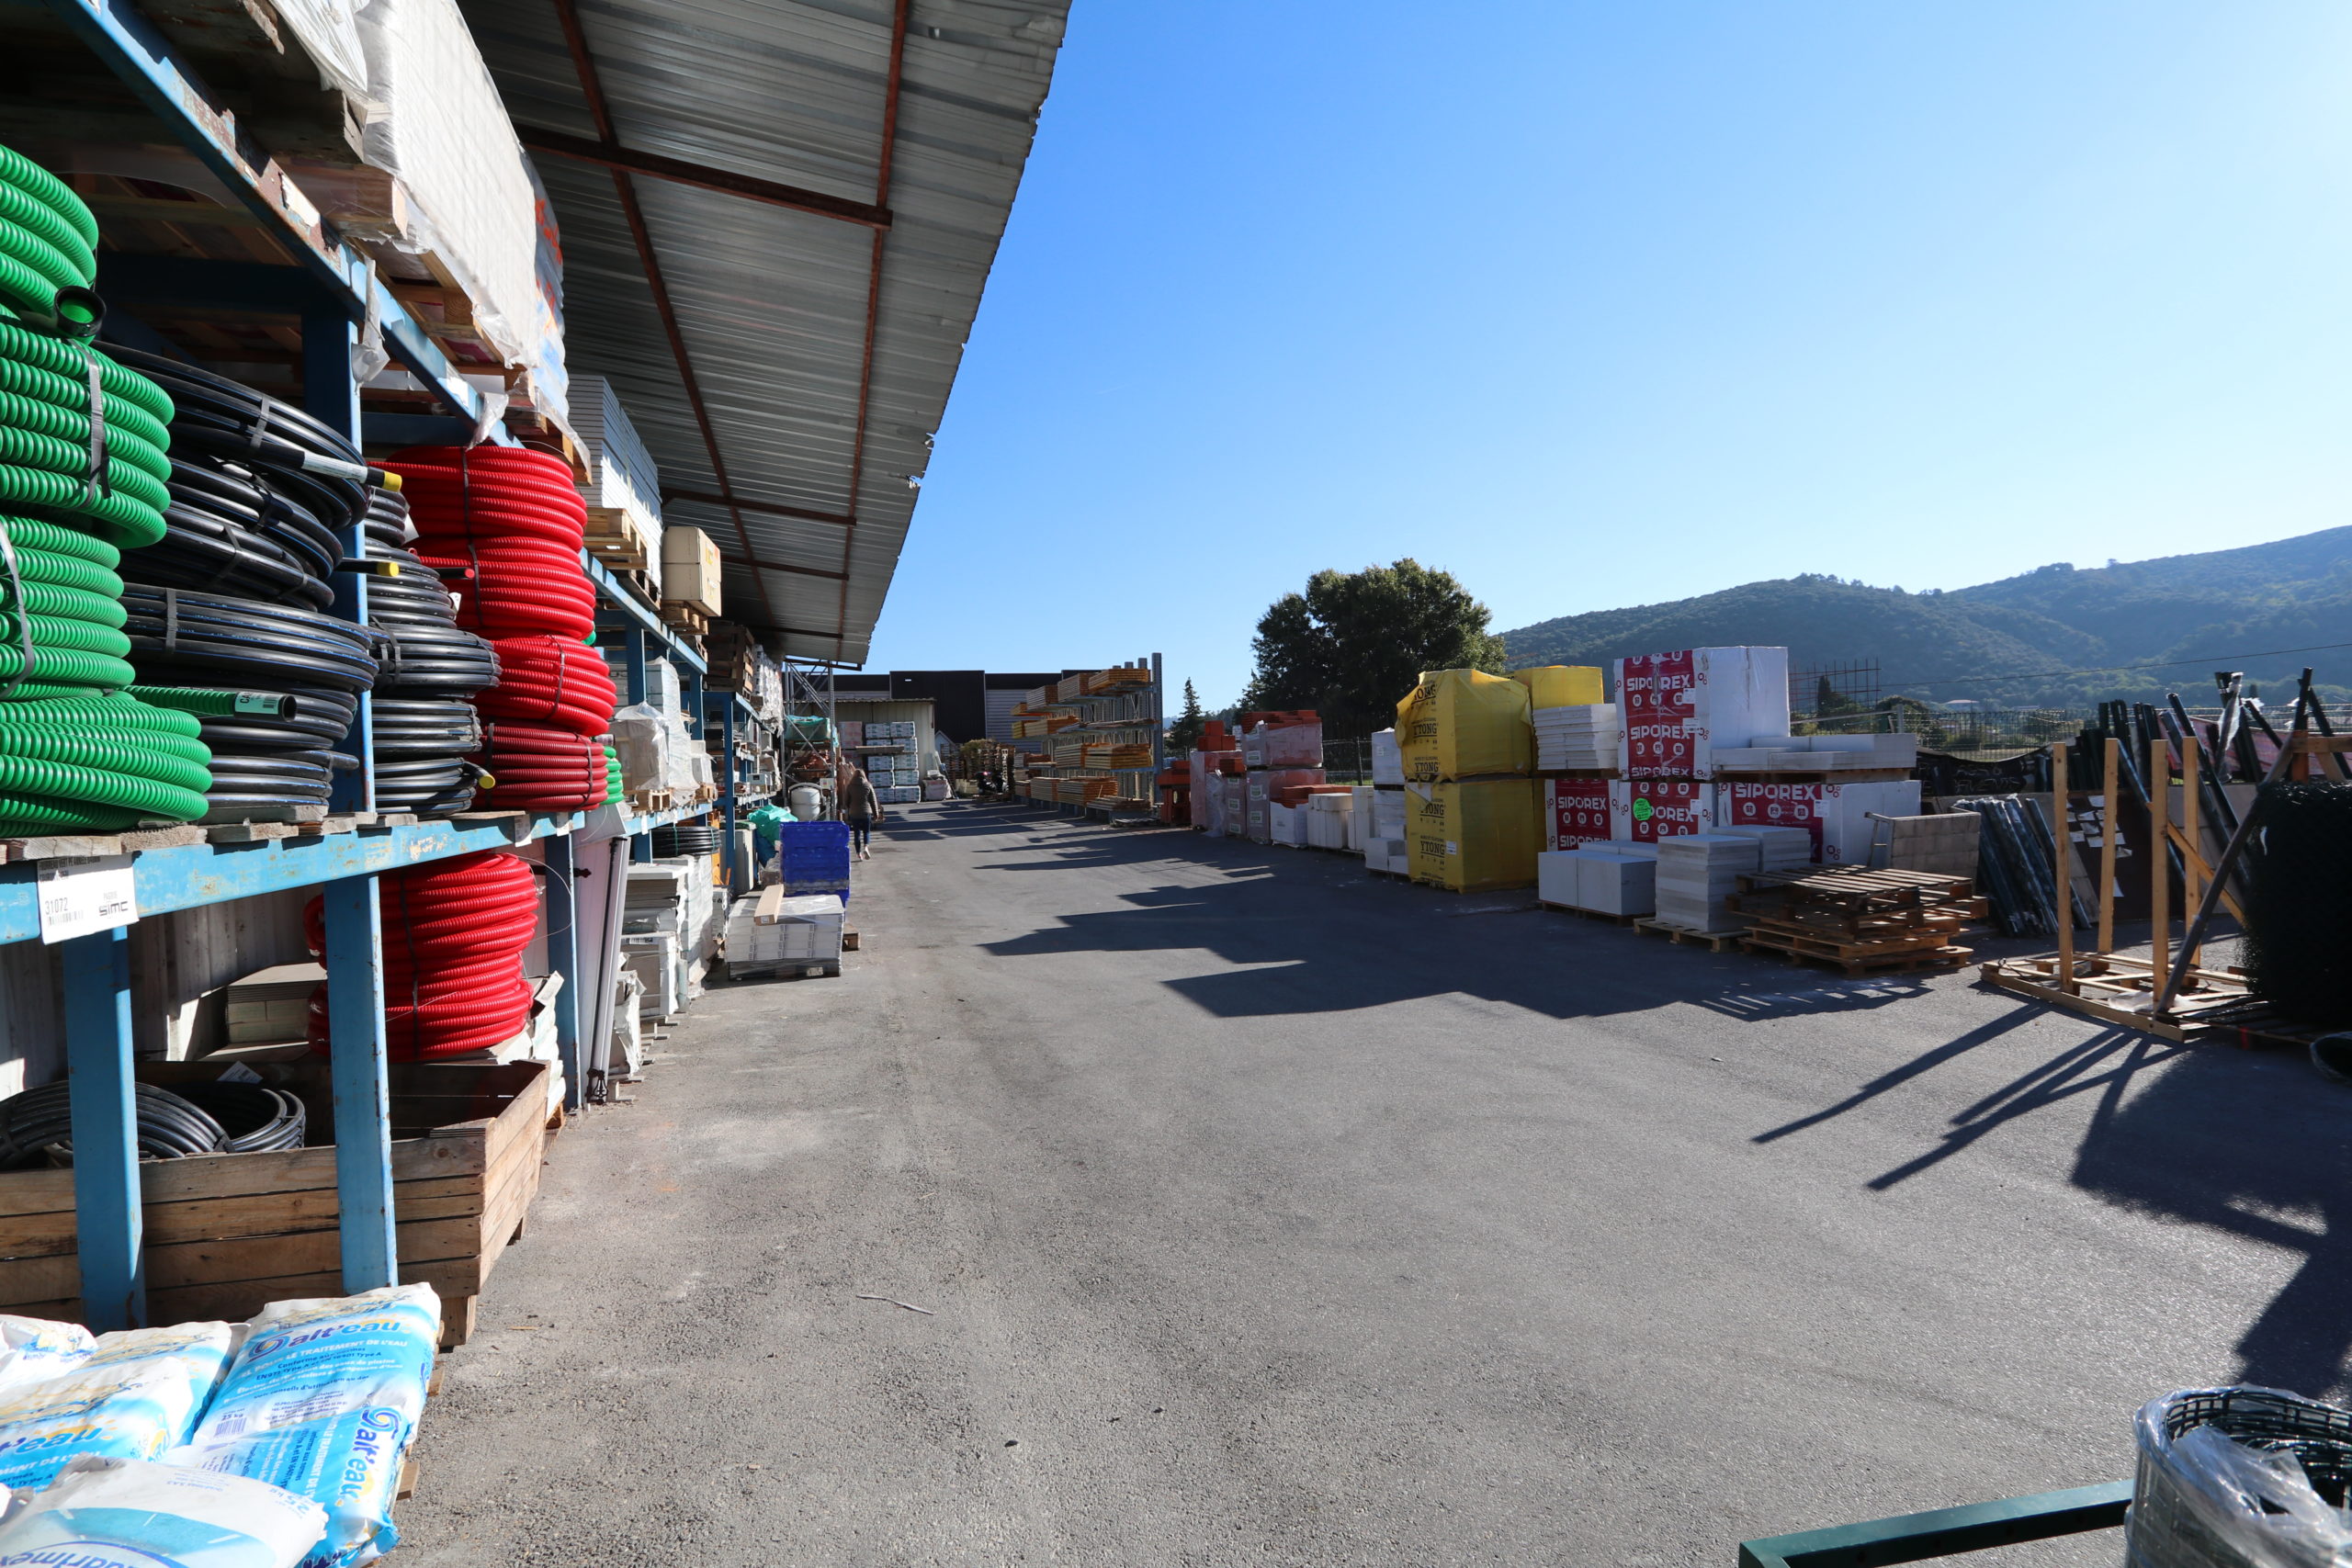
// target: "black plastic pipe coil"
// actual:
[[215, 1118]]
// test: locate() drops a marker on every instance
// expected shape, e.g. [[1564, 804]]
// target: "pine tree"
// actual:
[[1185, 733]]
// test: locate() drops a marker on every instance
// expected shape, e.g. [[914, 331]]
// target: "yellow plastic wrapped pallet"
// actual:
[[1462, 723], [1561, 686], [1473, 836]]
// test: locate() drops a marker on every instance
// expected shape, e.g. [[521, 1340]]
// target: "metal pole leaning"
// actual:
[[2228, 863]]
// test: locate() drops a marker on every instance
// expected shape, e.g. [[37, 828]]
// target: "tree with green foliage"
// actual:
[[1355, 643], [1185, 733]]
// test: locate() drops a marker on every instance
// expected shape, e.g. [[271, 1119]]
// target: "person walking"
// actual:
[[861, 808]]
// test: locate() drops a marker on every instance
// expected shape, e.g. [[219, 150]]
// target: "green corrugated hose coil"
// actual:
[[83, 471]]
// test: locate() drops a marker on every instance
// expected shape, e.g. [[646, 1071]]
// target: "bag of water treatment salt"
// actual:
[[134, 1396], [322, 1400], [127, 1513]]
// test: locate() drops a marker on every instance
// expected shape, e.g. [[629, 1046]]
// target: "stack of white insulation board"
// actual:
[[1696, 872], [1572, 739]]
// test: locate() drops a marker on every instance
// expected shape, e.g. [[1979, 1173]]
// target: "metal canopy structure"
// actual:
[[777, 217]]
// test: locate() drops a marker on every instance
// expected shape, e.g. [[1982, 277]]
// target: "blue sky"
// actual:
[[1597, 305]]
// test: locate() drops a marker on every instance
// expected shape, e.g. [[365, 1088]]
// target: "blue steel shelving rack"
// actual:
[[332, 288]]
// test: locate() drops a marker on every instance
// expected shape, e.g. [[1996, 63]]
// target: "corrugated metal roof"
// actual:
[[771, 302]]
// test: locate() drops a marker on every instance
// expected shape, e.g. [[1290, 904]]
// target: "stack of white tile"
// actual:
[[1570, 739], [1696, 872], [1286, 824], [1778, 848], [1387, 761]]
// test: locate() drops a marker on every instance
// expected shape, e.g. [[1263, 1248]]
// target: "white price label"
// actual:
[[82, 894]]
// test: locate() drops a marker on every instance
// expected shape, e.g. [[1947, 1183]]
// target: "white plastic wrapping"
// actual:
[[112, 1512], [2204, 1499], [328, 31], [437, 124], [34, 1348]]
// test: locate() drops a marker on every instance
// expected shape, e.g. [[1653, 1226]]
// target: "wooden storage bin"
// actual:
[[226, 1233]]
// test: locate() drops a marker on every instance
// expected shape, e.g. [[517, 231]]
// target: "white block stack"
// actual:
[[1387, 761], [1326, 818], [1617, 884], [1696, 872], [806, 929], [1778, 849], [1576, 738]]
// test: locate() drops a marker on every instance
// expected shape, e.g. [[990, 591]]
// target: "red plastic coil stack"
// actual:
[[454, 933], [510, 523]]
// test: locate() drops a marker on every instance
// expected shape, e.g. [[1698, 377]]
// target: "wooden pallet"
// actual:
[[788, 969], [684, 617], [2119, 989], [619, 540], [1868, 938], [1601, 915], [1858, 962], [1714, 941]]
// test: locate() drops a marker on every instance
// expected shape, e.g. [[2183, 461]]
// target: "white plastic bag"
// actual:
[[34, 1348], [322, 1400], [127, 1513], [137, 1394]]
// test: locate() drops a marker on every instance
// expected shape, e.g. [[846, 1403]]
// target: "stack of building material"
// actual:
[[1576, 812], [1859, 920], [1464, 724], [1560, 685], [771, 931], [1838, 817], [1944, 843], [1582, 739], [1331, 811], [1600, 880], [1778, 848], [1646, 811], [1697, 873], [1287, 739], [1233, 805], [1818, 754], [1675, 709], [1473, 835]]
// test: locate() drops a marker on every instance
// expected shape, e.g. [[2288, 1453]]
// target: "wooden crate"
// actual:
[[227, 1234]]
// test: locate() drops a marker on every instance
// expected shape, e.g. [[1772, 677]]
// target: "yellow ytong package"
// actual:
[[1462, 723], [1471, 838], [1561, 686]]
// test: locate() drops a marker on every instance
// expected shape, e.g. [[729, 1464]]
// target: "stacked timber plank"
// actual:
[[1860, 921]]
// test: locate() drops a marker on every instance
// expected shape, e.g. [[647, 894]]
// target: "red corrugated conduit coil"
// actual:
[[510, 524], [454, 936], [510, 519]]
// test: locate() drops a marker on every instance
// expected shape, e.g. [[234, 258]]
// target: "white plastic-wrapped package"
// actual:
[[2218, 1483], [127, 1513], [135, 1395], [34, 1348], [323, 1399], [328, 31], [437, 122]]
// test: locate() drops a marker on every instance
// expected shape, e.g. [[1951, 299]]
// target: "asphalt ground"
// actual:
[[1260, 1211]]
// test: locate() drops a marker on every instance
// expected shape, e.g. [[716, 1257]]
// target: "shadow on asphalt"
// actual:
[[2187, 1132]]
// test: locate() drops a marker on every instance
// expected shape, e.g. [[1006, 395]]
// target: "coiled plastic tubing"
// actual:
[[82, 470]]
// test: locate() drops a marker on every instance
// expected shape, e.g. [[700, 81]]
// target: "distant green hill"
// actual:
[[2056, 635]]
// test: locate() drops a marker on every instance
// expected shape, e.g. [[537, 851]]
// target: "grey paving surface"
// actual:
[[1265, 1215]]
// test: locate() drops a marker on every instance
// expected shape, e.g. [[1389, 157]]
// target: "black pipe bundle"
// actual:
[[685, 839], [269, 758], [423, 727], [216, 1118], [2299, 911], [260, 491], [2018, 873]]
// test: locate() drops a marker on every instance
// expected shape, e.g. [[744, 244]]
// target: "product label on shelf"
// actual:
[[82, 894]]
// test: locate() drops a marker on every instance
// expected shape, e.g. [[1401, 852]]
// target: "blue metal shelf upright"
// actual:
[[333, 288]]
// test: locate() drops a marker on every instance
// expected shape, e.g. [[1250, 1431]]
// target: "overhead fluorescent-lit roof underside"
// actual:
[[777, 218]]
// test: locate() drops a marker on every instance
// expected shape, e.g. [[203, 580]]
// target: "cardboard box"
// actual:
[[690, 569]]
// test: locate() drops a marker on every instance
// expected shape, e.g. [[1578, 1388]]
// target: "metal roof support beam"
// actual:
[[872, 300], [733, 502], [778, 566], [584, 65], [702, 176]]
